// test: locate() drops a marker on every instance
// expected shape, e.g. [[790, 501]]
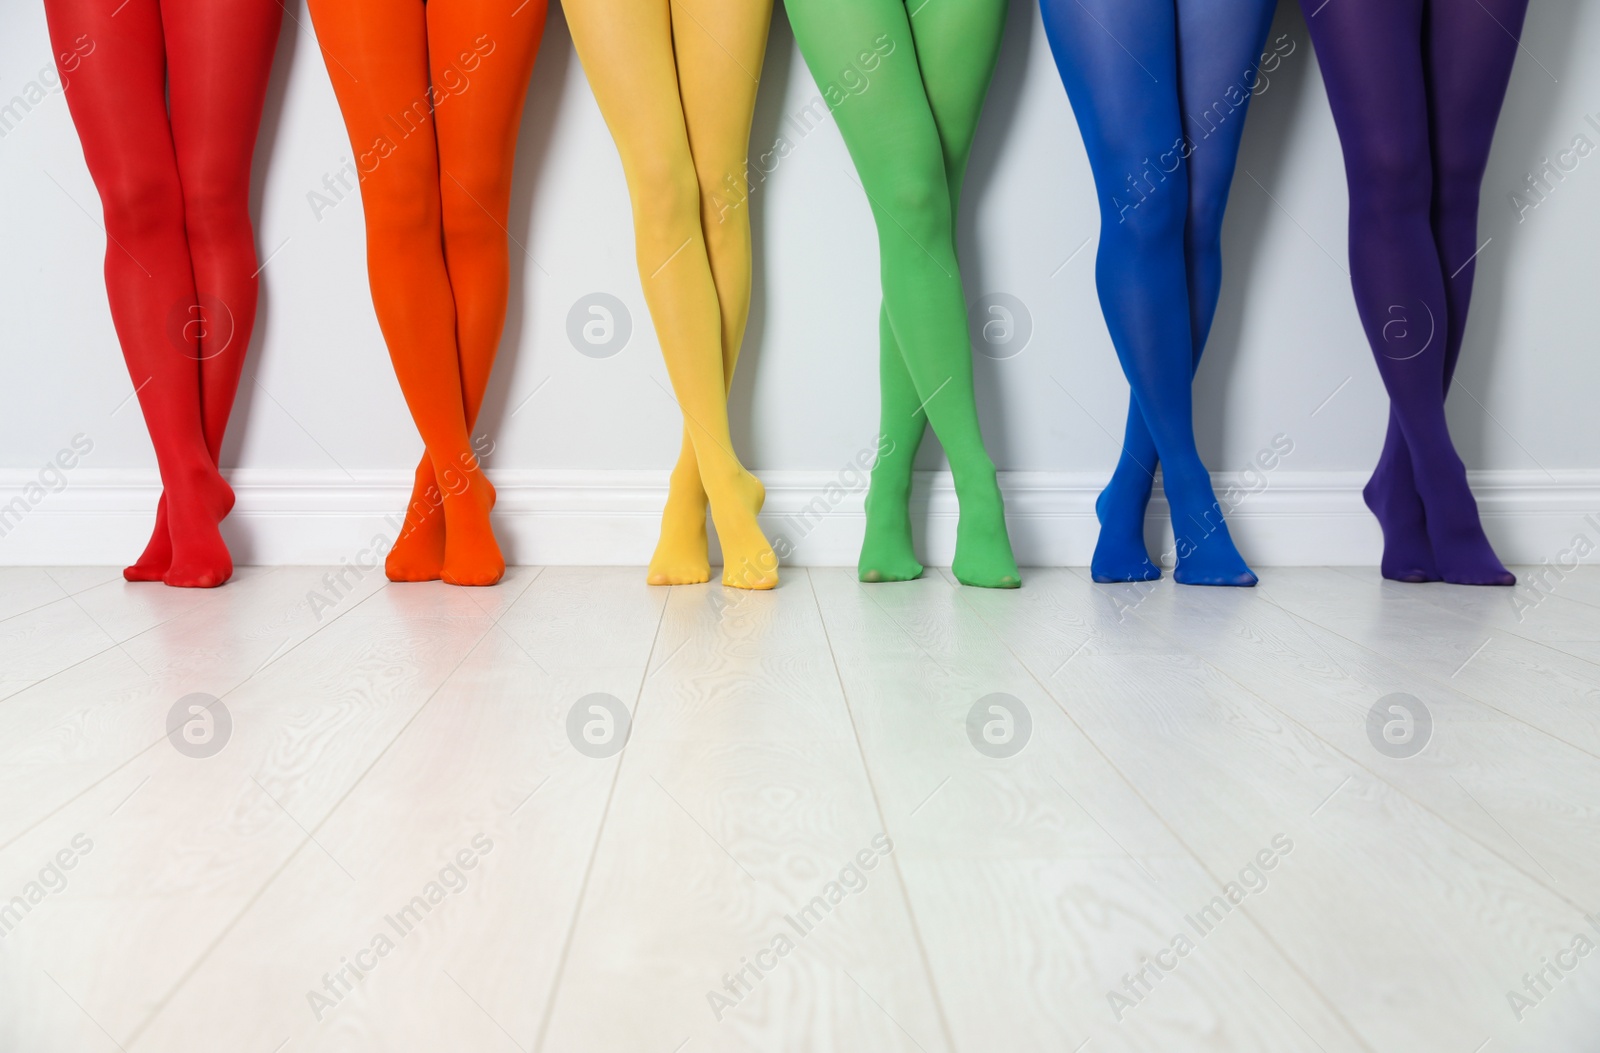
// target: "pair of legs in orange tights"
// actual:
[[432, 96], [167, 101], [678, 88]]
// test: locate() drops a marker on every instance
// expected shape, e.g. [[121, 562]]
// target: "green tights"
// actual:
[[906, 85]]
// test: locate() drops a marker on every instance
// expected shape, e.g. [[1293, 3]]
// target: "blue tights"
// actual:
[[1160, 89]]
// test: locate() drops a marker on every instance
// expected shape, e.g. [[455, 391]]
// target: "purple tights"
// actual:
[[1416, 88]]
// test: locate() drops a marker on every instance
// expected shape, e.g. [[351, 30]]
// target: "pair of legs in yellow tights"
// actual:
[[676, 81], [432, 95]]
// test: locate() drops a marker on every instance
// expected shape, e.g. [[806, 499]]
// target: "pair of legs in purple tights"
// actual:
[[1416, 88]]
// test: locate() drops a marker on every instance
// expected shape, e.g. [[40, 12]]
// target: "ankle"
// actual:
[[465, 488], [1130, 479], [685, 481], [197, 484], [975, 471], [723, 476], [1188, 491], [884, 484]]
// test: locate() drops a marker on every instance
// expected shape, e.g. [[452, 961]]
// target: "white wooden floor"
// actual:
[[412, 741]]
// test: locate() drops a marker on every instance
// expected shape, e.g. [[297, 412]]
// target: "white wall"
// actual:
[[321, 444]]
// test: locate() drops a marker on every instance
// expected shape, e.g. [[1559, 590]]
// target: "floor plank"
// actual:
[[742, 789]]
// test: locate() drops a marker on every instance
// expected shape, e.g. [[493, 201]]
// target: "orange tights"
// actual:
[[432, 96]]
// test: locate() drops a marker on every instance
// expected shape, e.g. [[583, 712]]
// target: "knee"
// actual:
[[139, 204], [724, 191], [1208, 206], [1148, 218], [401, 212], [666, 202], [468, 229], [1459, 184], [725, 217], [1390, 183], [916, 202], [476, 203], [216, 209]]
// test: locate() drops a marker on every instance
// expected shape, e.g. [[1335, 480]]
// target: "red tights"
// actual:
[[174, 181]]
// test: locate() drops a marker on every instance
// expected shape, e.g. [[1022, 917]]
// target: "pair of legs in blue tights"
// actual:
[[1160, 89], [1416, 88]]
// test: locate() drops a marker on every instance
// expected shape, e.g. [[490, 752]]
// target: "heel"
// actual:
[[736, 497], [1206, 552], [983, 546], [472, 556], [196, 506]]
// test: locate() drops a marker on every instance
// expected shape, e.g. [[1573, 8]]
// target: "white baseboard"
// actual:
[[611, 517]]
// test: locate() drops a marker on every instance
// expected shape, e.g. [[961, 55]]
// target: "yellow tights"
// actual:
[[676, 81]]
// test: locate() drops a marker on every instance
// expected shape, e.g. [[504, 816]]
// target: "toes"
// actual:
[[205, 579], [404, 576], [1244, 580], [477, 579], [686, 577], [1000, 581], [1113, 576], [1491, 579], [876, 575], [1414, 576], [752, 584]]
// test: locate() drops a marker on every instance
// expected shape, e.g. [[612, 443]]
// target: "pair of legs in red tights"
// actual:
[[432, 97], [174, 181]]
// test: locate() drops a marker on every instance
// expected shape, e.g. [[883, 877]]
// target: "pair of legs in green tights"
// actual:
[[906, 80]]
